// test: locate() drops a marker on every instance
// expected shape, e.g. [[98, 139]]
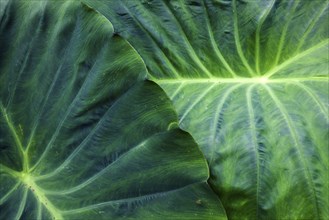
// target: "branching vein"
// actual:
[[296, 145]]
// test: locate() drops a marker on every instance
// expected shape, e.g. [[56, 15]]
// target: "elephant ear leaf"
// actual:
[[83, 135], [249, 79]]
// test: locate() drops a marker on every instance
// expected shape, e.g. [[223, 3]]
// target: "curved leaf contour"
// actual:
[[249, 79], [82, 134]]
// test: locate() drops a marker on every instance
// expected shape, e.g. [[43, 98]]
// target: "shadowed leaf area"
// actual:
[[249, 79], [83, 135]]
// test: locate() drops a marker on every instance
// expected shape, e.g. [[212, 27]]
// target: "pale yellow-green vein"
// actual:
[[284, 33], [237, 40]]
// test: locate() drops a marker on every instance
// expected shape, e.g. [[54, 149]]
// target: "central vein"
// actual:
[[40, 195], [15, 136]]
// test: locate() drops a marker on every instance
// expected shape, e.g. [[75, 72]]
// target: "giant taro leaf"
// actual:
[[82, 134], [249, 79]]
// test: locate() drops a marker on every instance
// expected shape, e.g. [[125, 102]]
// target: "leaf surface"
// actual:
[[249, 80], [83, 135]]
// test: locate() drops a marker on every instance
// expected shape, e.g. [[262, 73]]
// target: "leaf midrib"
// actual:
[[270, 73], [29, 183], [255, 80], [22, 153], [40, 196]]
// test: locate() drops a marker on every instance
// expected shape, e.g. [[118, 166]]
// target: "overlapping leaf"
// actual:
[[82, 134], [249, 79]]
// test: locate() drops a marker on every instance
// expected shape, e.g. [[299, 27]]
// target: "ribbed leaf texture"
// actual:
[[249, 79], [83, 135]]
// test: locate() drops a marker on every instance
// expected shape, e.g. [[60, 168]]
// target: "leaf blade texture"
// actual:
[[83, 135], [249, 80]]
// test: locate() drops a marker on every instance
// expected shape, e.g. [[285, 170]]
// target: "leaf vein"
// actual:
[[216, 118], [21, 206], [283, 34], [68, 111], [196, 102], [84, 142], [193, 54], [255, 144], [214, 44], [9, 193], [259, 26], [311, 26], [96, 176], [237, 40], [315, 99], [297, 145], [50, 89], [130, 199], [310, 50], [172, 68]]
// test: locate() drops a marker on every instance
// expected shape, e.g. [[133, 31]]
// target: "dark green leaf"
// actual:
[[82, 134], [249, 79]]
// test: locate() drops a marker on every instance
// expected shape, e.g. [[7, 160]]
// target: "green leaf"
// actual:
[[82, 134], [249, 80]]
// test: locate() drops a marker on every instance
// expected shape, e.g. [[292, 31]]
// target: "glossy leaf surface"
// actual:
[[249, 79], [82, 134]]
